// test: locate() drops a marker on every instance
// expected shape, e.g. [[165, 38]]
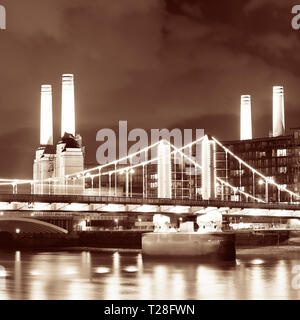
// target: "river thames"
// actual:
[[118, 275]]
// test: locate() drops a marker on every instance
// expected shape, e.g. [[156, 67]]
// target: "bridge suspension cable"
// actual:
[[254, 171], [79, 174], [99, 172], [219, 179]]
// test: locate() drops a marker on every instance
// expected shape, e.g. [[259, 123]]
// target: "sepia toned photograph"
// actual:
[[149, 153]]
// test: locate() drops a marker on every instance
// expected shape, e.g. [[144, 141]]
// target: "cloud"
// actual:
[[253, 5], [154, 63], [277, 45]]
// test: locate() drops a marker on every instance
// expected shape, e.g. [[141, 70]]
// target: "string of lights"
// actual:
[[267, 180], [88, 173], [83, 173], [219, 179], [78, 174]]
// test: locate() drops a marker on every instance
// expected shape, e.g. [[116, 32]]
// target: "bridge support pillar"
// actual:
[[161, 223], [208, 169], [164, 174]]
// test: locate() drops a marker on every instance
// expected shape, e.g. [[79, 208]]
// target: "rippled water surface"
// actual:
[[85, 275]]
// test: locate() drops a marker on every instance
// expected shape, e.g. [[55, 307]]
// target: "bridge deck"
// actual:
[[68, 199]]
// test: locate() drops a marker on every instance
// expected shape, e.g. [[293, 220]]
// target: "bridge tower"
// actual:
[[208, 168], [164, 174]]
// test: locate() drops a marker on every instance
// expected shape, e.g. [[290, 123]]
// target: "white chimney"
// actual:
[[278, 111], [246, 119], [46, 126], [68, 105]]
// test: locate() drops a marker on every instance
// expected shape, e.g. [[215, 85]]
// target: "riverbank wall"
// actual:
[[130, 239]]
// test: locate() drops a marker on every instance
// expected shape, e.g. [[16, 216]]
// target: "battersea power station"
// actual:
[[277, 157], [247, 180], [68, 155]]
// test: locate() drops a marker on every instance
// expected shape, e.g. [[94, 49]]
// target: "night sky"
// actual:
[[155, 63]]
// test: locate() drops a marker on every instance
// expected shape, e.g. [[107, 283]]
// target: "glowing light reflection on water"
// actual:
[[85, 275]]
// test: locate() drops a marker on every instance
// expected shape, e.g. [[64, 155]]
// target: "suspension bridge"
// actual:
[[160, 178]]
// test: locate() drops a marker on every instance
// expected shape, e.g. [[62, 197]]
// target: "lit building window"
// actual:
[[281, 153], [282, 169]]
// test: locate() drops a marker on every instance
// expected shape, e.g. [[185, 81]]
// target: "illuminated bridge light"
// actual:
[[102, 270], [113, 207], [178, 209], [40, 206], [257, 261], [76, 207], [146, 208], [131, 269]]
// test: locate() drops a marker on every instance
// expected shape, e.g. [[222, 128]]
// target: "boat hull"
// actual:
[[214, 245]]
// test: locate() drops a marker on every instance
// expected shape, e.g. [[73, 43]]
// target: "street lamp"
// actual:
[[116, 221]]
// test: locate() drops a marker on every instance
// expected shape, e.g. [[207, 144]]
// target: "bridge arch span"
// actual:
[[27, 225]]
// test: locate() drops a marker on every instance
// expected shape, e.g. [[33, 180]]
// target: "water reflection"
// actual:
[[85, 275], [18, 275]]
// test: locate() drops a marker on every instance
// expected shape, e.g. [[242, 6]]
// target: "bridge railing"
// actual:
[[107, 200]]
